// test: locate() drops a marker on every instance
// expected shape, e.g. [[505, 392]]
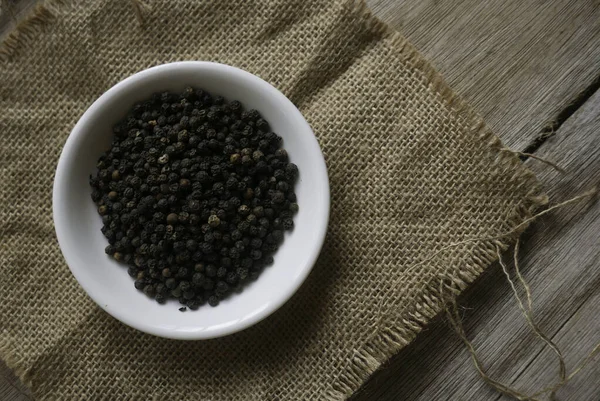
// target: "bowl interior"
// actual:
[[78, 224]]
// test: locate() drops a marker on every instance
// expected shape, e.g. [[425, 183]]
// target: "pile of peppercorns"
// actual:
[[195, 194]]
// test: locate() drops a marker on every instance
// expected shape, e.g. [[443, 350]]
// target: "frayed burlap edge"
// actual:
[[31, 26], [385, 342], [25, 31], [13, 361]]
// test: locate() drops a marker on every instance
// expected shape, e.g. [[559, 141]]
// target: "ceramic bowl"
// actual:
[[78, 223]]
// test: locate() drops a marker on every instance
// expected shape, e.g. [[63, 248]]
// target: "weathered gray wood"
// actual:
[[519, 63], [561, 260], [11, 11], [11, 389], [570, 259]]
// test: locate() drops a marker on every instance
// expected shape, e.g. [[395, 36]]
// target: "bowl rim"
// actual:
[[60, 185]]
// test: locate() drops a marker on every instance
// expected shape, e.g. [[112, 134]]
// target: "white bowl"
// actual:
[[78, 224]]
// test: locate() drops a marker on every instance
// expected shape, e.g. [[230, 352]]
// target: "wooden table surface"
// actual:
[[532, 69]]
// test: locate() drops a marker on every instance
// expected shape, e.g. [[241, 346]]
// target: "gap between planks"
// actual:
[[557, 259]]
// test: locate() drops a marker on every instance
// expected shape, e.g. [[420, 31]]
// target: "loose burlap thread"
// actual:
[[412, 169]]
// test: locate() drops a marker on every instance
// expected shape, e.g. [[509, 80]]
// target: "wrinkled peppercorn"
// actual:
[[195, 194]]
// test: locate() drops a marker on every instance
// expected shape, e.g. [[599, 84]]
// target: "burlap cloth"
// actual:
[[412, 170]]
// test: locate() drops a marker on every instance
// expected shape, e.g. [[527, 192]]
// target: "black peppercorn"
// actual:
[[234, 253], [191, 245], [213, 300], [222, 288], [193, 180], [278, 235], [198, 278], [288, 224], [210, 270], [183, 217], [232, 278], [172, 218], [281, 154], [214, 221], [253, 231], [221, 272]]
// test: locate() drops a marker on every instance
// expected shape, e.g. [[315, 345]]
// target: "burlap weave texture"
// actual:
[[412, 169]]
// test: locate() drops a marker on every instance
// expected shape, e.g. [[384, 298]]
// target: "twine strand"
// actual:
[[140, 9], [528, 312], [515, 230], [532, 156], [455, 321], [510, 232]]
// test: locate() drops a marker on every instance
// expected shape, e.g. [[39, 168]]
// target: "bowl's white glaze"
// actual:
[[78, 224]]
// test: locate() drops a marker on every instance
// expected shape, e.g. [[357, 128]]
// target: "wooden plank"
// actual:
[[11, 11], [519, 63], [581, 333], [560, 259], [11, 389], [574, 259]]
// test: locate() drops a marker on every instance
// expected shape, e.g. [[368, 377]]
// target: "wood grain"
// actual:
[[12, 11], [569, 259], [560, 259], [519, 63], [11, 389], [523, 66]]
